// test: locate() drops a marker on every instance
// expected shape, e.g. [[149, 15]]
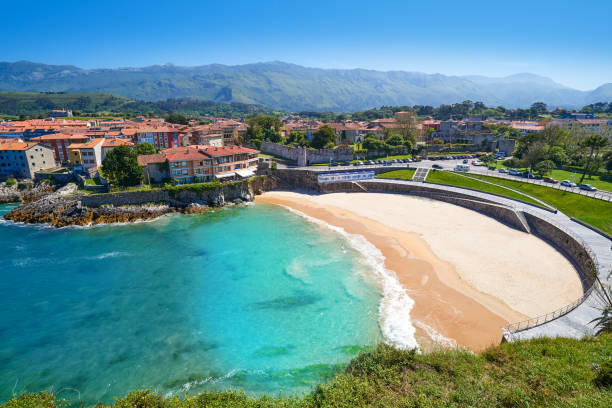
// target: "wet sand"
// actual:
[[468, 274]]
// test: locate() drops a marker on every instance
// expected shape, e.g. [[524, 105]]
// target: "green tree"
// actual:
[[394, 140], [120, 167], [594, 143], [324, 137], [144, 148], [544, 167], [557, 154], [264, 127], [487, 158], [373, 143], [298, 138], [177, 118]]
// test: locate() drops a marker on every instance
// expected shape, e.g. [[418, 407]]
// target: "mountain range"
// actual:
[[291, 87]]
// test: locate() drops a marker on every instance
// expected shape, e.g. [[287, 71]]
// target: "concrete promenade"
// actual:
[[576, 323]]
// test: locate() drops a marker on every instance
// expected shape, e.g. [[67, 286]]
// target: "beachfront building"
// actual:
[[88, 154], [59, 142], [195, 164], [23, 159]]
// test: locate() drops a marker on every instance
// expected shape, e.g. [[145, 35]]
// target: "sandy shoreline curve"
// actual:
[[467, 273]]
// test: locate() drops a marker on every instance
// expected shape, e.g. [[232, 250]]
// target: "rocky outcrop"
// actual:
[[67, 206], [25, 191]]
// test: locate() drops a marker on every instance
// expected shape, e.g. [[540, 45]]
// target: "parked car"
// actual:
[[334, 164], [567, 183], [550, 180], [513, 172], [358, 163], [436, 166], [502, 170], [465, 161], [529, 175], [587, 187]]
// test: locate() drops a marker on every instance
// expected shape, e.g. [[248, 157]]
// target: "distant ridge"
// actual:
[[285, 86]]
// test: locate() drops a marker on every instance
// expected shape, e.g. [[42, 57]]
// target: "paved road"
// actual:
[[577, 322], [451, 164]]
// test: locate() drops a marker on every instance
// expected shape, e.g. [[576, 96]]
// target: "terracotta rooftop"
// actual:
[[145, 159], [17, 146], [117, 142], [88, 145]]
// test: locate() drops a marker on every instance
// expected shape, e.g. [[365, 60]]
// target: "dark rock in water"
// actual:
[[286, 303]]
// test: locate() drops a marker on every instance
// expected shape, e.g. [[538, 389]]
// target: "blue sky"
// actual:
[[564, 40]]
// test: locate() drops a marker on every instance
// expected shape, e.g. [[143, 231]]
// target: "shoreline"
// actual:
[[447, 302]]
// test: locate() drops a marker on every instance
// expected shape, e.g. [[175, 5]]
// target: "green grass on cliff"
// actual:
[[538, 373], [453, 179], [597, 213]]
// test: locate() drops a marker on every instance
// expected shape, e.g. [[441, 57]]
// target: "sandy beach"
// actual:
[[467, 273]]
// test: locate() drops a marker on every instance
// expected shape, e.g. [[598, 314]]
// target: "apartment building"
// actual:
[[88, 154], [194, 164], [110, 143], [59, 142], [160, 137], [23, 159]]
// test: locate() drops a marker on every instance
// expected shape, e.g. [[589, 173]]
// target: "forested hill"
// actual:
[[36, 103], [292, 87]]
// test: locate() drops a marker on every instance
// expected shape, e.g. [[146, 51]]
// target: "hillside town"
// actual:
[[224, 149]]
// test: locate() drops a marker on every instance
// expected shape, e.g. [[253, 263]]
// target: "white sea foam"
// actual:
[[394, 309], [113, 254], [436, 336], [212, 380]]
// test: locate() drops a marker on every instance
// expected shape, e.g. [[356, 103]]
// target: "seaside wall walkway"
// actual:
[[590, 252]]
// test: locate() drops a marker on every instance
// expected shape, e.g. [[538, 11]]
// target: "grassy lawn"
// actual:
[[595, 212], [398, 174], [546, 372], [93, 182], [594, 180], [445, 177], [144, 187], [567, 175]]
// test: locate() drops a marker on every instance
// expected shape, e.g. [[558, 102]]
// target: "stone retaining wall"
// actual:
[[305, 156], [573, 249], [181, 198]]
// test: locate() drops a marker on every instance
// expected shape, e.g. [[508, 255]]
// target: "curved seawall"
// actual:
[[588, 251]]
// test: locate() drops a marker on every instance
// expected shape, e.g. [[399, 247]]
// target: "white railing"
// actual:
[[590, 282]]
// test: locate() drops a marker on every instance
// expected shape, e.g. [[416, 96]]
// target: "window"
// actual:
[[184, 171], [184, 164]]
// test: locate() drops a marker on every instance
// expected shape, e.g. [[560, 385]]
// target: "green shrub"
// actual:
[[10, 182], [604, 375]]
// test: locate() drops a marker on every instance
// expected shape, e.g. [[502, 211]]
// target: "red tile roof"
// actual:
[[117, 142], [145, 159], [17, 146], [88, 145]]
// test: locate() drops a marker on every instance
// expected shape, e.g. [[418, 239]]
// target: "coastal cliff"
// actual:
[[25, 191], [68, 206]]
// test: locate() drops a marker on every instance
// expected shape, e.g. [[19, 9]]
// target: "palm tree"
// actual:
[[593, 142]]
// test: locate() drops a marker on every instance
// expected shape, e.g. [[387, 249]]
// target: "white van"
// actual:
[[462, 167]]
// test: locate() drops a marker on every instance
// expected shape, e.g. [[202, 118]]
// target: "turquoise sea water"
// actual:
[[254, 298]]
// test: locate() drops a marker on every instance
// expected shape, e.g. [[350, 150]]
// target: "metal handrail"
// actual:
[[545, 318], [539, 320]]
